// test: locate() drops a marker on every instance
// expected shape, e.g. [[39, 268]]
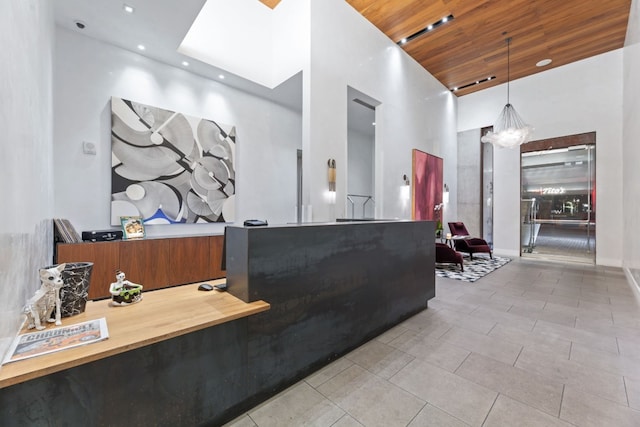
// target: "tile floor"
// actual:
[[531, 344]]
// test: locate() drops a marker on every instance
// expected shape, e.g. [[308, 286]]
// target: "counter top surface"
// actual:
[[161, 315]]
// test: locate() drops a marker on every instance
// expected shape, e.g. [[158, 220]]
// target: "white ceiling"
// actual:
[[159, 25]]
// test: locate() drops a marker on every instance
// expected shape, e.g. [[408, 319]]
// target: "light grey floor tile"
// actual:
[[504, 318], [607, 362], [453, 305], [490, 303], [429, 331], [464, 321], [591, 339], [532, 389], [539, 342], [569, 372], [501, 350], [633, 392], [437, 352], [347, 421], [508, 412], [370, 399], [242, 421], [629, 347], [379, 358], [391, 334], [298, 405], [451, 393], [328, 372], [560, 318], [596, 307], [432, 416], [586, 410]]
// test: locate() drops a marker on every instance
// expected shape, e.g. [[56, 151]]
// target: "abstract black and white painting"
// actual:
[[170, 168]]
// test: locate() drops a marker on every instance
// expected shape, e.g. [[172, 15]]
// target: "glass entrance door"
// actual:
[[557, 207]]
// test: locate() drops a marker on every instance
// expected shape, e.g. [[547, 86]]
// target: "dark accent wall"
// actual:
[[331, 288]]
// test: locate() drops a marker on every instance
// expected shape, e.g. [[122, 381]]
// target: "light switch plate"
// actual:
[[88, 148]]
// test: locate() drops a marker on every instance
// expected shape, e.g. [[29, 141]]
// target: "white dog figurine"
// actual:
[[41, 305]]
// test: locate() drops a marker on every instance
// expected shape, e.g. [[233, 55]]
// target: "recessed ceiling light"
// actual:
[[141, 47], [426, 29], [127, 8], [185, 63], [221, 76], [543, 63]]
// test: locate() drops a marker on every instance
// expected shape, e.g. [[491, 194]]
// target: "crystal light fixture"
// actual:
[[509, 130]]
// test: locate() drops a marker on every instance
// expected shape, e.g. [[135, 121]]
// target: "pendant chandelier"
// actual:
[[509, 130]]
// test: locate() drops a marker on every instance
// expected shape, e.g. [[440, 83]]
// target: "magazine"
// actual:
[[50, 340]]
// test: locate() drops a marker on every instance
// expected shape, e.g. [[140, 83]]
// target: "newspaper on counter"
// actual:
[[51, 340]]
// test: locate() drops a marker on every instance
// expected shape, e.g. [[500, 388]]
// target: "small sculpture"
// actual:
[[41, 305], [124, 292]]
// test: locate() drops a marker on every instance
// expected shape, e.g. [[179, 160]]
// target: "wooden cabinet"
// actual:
[[190, 259], [147, 262], [153, 263]]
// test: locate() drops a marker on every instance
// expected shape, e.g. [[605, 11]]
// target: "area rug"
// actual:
[[474, 269]]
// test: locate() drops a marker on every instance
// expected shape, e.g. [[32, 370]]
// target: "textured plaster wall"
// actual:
[[469, 180], [26, 179]]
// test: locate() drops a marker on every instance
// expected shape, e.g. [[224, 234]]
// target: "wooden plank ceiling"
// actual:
[[472, 46]]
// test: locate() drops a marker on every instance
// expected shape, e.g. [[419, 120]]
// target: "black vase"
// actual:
[[75, 291]]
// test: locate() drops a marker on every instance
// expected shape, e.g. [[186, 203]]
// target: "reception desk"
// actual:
[[307, 294], [331, 287]]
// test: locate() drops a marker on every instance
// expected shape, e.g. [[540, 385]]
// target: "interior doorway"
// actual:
[[558, 199]]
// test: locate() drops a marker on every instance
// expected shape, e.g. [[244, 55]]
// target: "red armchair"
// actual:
[[446, 254], [470, 245]]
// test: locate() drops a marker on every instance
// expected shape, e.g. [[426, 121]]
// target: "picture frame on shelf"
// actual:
[[132, 227]]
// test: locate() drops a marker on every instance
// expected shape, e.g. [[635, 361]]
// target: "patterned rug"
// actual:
[[474, 269]]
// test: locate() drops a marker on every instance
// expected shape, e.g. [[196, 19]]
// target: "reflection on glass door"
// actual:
[[558, 200]]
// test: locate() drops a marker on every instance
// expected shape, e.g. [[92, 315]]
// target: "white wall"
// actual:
[[416, 111], [584, 96], [89, 72], [26, 238], [630, 145], [360, 173]]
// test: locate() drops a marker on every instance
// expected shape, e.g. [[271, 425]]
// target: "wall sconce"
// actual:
[[405, 190], [332, 175], [445, 194]]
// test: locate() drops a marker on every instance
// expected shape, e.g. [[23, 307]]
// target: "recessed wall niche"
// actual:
[[361, 154]]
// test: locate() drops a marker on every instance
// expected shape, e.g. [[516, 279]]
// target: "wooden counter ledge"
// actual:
[[161, 315]]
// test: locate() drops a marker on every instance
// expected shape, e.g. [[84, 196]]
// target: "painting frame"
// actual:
[[170, 167]]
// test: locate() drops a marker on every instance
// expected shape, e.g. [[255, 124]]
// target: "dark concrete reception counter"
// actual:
[[331, 288]]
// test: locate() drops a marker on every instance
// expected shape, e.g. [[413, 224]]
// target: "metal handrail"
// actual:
[[364, 204]]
